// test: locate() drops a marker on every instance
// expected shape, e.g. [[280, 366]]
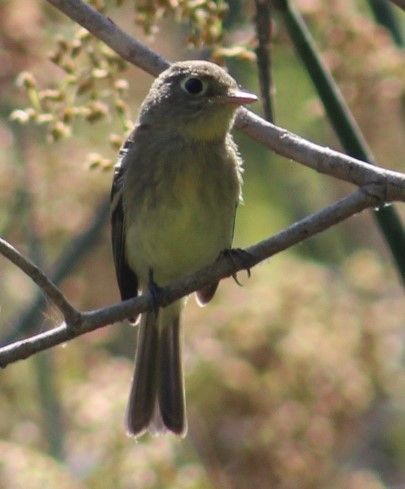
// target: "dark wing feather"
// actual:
[[127, 279]]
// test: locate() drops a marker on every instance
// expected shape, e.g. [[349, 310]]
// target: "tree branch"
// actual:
[[399, 3], [70, 314], [365, 197], [68, 259], [117, 39], [322, 159], [263, 24]]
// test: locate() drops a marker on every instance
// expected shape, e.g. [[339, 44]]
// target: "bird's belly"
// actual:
[[178, 237]]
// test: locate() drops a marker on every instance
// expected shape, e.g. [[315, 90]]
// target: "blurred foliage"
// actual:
[[91, 87], [296, 368], [293, 380], [204, 18]]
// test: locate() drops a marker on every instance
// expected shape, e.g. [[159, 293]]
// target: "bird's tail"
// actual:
[[157, 402]]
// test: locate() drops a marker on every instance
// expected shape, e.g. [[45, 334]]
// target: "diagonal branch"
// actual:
[[363, 198], [102, 27], [78, 246], [322, 159], [279, 140], [70, 314], [399, 3]]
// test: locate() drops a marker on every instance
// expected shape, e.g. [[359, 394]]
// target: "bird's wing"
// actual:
[[126, 278]]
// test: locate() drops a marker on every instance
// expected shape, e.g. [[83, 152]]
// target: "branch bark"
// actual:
[[70, 314], [399, 3], [363, 198], [323, 160], [117, 39]]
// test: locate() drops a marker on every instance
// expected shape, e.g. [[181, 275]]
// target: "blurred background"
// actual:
[[295, 379]]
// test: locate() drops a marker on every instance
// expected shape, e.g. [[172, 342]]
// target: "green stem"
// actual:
[[343, 122], [384, 14]]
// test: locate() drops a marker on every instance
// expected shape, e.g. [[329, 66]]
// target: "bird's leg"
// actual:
[[154, 290], [238, 256]]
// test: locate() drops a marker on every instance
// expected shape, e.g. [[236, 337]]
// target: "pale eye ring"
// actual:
[[194, 86]]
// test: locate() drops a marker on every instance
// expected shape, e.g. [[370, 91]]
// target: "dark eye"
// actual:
[[194, 86]]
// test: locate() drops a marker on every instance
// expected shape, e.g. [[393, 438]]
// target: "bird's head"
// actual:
[[197, 99]]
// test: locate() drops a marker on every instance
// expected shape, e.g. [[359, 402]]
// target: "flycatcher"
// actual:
[[176, 187]]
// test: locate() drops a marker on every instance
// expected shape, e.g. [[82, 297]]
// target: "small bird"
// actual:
[[174, 195]]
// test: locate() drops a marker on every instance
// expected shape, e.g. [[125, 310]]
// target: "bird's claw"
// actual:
[[238, 256]]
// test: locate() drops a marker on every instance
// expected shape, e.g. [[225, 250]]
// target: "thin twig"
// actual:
[[79, 245], [263, 55], [70, 314]]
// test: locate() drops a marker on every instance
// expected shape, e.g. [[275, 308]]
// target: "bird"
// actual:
[[176, 186]]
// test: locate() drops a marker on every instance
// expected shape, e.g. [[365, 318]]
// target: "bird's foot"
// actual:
[[238, 257]]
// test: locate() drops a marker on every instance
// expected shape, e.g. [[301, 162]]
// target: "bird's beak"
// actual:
[[237, 97]]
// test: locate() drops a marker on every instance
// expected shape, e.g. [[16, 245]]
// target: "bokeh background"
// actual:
[[294, 380]]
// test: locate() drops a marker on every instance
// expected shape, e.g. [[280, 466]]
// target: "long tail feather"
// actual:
[[171, 386], [157, 402], [144, 384]]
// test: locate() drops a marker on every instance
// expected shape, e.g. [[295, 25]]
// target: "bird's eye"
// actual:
[[194, 86]]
